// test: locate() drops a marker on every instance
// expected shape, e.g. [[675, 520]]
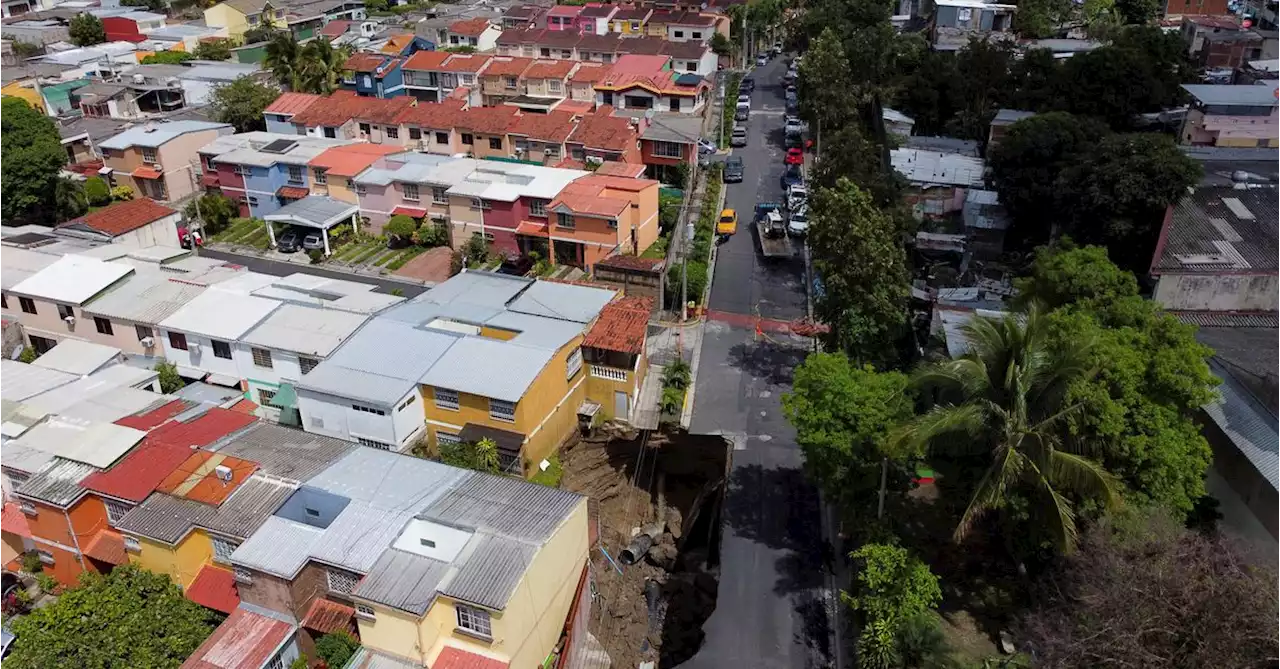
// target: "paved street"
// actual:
[[277, 268], [770, 611]]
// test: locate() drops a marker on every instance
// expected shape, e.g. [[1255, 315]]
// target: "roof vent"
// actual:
[[223, 473]]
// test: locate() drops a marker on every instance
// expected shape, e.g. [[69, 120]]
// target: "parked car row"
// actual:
[[299, 239]]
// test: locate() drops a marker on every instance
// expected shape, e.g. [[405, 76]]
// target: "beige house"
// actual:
[[160, 160], [49, 303]]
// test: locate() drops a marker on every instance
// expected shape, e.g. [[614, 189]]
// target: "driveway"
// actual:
[[771, 610]]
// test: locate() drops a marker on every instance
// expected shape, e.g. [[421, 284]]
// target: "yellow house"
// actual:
[[238, 16], [25, 90], [333, 172], [630, 20]]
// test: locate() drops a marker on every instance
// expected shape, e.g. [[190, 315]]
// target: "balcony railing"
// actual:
[[611, 373]]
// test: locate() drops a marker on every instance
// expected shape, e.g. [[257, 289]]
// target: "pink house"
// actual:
[[563, 17], [594, 18], [411, 183]]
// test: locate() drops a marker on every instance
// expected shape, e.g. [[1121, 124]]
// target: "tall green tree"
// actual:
[[826, 86], [242, 102], [1139, 72], [981, 89], [1006, 401], [322, 66], [848, 153], [214, 212], [217, 49], [69, 199], [1153, 376], [128, 618], [860, 258], [1037, 19], [86, 30], [33, 157], [1118, 193], [284, 59], [893, 590], [1139, 12], [843, 414]]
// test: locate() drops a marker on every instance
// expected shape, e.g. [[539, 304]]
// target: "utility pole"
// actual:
[[884, 475], [685, 239]]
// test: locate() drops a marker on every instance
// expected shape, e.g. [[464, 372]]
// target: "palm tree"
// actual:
[[322, 66], [1007, 397], [285, 59]]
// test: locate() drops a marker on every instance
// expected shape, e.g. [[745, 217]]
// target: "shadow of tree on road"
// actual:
[[773, 360]]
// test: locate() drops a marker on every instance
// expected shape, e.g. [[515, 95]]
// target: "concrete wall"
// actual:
[[181, 562], [1222, 292], [333, 416], [203, 360]]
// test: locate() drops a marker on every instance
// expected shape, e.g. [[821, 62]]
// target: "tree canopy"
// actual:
[[242, 102], [86, 30], [129, 618], [33, 157], [863, 268], [1145, 592], [893, 590], [842, 414], [167, 58], [213, 49]]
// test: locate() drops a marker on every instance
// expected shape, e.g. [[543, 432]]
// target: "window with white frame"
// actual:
[[66, 311], [131, 543], [307, 364], [466, 79], [502, 410], [573, 364], [478, 203], [116, 510], [474, 620], [509, 83], [538, 208], [373, 443], [341, 582], [295, 174], [554, 86], [148, 155], [446, 399], [411, 192], [319, 176], [393, 132], [242, 170], [366, 612], [668, 149], [261, 357], [439, 195], [222, 549]]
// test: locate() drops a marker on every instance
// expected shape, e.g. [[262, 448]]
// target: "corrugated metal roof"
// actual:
[[1229, 319], [164, 518], [221, 314], [565, 301], [536, 331], [492, 368], [504, 506], [24, 459], [491, 573], [1262, 94], [147, 298], [156, 134], [305, 330], [285, 452], [315, 210], [72, 279], [58, 483], [20, 264], [167, 518], [359, 535], [245, 640], [248, 507], [1248, 424], [932, 167], [403, 581], [367, 658], [97, 444], [280, 547], [22, 381], [1217, 229], [381, 362]]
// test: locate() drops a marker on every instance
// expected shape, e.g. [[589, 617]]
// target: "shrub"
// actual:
[[28, 355], [31, 563], [121, 193], [336, 648], [167, 58], [97, 191], [48, 584], [432, 235], [299, 662], [316, 256], [893, 588], [400, 226], [170, 381], [397, 292]]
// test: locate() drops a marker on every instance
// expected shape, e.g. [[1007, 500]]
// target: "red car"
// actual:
[[795, 157]]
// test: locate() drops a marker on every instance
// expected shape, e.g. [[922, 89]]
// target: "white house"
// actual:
[[200, 338]]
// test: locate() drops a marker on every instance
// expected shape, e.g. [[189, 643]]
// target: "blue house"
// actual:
[[374, 75], [264, 170]]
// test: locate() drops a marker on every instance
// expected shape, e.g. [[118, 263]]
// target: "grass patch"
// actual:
[[550, 477], [658, 249], [405, 256], [352, 249], [366, 254]]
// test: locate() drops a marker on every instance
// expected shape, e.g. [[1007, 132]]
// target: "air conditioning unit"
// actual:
[[193, 348], [223, 473], [148, 342], [71, 320]]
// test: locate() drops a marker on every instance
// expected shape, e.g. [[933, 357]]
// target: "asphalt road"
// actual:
[[278, 268], [770, 611]]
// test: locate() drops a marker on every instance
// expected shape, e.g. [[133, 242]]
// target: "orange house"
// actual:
[[597, 216]]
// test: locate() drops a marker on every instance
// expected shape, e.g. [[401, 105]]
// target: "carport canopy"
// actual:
[[314, 211]]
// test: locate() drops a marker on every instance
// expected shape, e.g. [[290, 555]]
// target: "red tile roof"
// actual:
[[292, 103], [602, 131], [549, 69], [163, 451], [487, 120], [520, 36], [426, 61], [632, 263], [352, 159], [411, 212], [245, 640], [507, 66], [613, 168], [456, 658], [107, 546], [328, 616], [14, 520], [430, 115], [470, 27], [621, 326], [554, 126], [215, 588], [363, 61], [155, 417], [466, 63], [532, 228], [345, 106], [590, 72], [123, 217], [397, 43], [146, 172], [585, 196], [565, 10], [293, 192], [335, 29], [196, 478]]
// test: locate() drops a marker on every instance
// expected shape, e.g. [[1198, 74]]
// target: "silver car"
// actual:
[[739, 137]]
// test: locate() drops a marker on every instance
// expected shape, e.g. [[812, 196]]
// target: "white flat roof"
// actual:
[[220, 314], [78, 357], [93, 443], [18, 265], [306, 330], [72, 279]]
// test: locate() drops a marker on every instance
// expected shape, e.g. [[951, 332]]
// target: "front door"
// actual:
[[621, 410]]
